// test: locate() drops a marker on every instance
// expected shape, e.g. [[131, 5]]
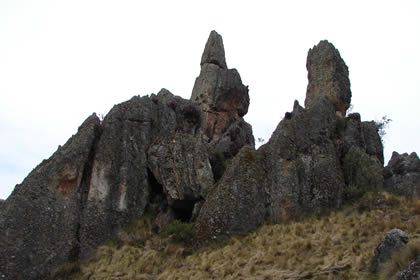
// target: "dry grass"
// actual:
[[336, 246]]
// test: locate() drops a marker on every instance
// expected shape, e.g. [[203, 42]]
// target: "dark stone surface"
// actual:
[[214, 52], [192, 160], [402, 174], [394, 241], [41, 223], [412, 272], [307, 166], [328, 76], [223, 99], [237, 203]]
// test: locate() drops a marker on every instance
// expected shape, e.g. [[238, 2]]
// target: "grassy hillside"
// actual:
[[335, 246]]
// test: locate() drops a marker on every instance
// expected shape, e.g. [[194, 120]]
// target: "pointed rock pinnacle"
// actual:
[[328, 76], [214, 51]]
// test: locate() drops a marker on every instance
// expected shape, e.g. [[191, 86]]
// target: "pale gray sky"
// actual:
[[62, 60]]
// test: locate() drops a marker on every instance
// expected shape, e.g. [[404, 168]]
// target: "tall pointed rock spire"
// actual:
[[214, 51], [328, 76], [220, 93]]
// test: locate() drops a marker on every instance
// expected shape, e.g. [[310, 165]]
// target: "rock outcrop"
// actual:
[[150, 153], [328, 76], [315, 160], [192, 160], [41, 221], [224, 100], [394, 241], [402, 174]]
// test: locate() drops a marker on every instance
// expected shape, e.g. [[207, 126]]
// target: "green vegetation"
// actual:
[[178, 231]]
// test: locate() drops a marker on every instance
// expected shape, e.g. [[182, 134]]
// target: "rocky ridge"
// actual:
[[192, 160]]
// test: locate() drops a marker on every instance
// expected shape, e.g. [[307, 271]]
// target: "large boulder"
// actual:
[[394, 241], [402, 174], [40, 227]]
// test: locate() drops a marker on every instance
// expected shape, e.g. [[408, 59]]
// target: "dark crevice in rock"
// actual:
[[156, 189], [183, 209]]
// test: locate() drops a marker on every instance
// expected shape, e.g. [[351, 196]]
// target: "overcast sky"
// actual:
[[62, 60]]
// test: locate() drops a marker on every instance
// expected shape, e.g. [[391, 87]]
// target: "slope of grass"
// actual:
[[336, 246]]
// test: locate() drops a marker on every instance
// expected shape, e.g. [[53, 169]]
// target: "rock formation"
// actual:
[[394, 241], [224, 100], [41, 223], [150, 153], [402, 174], [314, 160], [328, 77], [192, 160]]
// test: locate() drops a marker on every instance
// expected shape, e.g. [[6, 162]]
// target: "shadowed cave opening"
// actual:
[[181, 209]]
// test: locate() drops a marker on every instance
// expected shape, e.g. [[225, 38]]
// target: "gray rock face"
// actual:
[[214, 52], [180, 164], [40, 226], [192, 160], [237, 203], [328, 76], [307, 166], [224, 100], [150, 146], [2, 205], [394, 241], [402, 174]]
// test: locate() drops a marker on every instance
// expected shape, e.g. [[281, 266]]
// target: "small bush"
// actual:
[[178, 231]]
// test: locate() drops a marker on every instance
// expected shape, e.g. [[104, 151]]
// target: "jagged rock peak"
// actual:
[[214, 51], [328, 76]]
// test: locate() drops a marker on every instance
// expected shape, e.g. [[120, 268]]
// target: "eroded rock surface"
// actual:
[[314, 161], [402, 174], [224, 100], [328, 76], [394, 241], [192, 160], [41, 223]]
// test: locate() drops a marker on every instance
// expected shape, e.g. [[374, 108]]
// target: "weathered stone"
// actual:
[[402, 174], [303, 170], [214, 52], [180, 164], [373, 143], [219, 91], [412, 272], [312, 157], [121, 185], [40, 226], [394, 241], [2, 206], [237, 203], [328, 76], [362, 173]]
